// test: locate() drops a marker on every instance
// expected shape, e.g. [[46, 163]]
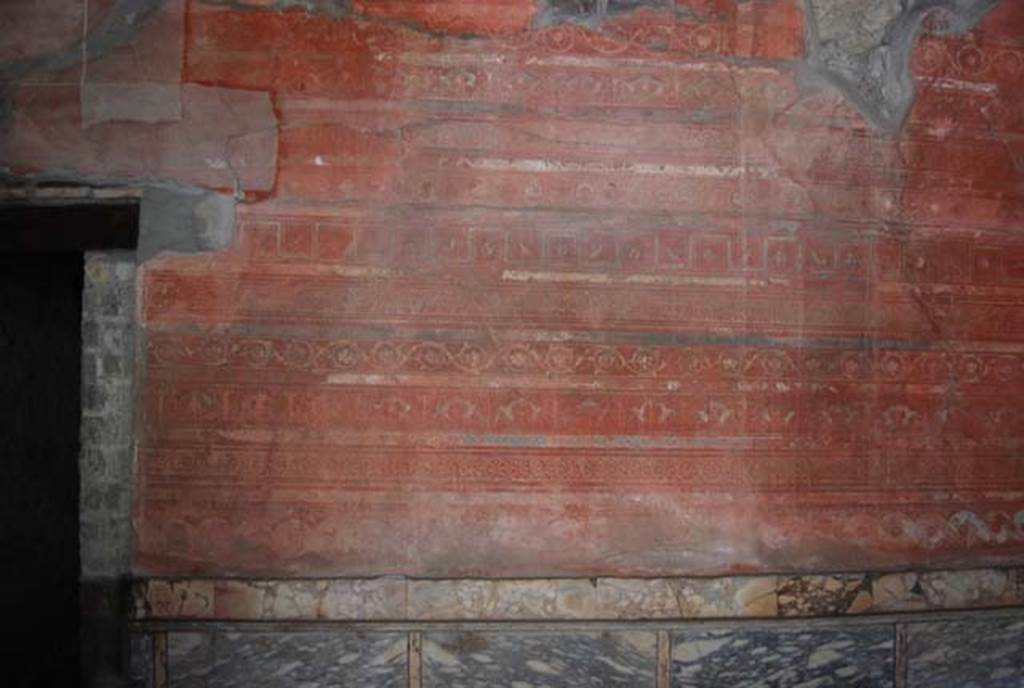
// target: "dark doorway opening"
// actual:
[[40, 360], [41, 280]]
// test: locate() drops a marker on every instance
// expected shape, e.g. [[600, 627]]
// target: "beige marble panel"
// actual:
[[578, 599]]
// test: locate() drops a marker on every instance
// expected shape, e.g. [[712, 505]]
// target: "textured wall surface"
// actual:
[[564, 288]]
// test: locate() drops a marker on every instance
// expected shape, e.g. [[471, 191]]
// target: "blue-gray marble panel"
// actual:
[[539, 660], [283, 660], [976, 653], [809, 657], [141, 660]]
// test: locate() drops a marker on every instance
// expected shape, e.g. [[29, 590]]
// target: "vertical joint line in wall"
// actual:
[[415, 659], [901, 664], [663, 677], [160, 660]]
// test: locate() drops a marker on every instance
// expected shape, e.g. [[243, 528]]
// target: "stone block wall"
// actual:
[[106, 460], [108, 414]]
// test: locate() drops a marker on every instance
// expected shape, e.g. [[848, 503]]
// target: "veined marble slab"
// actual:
[[286, 660], [141, 661], [983, 653], [852, 656], [539, 660]]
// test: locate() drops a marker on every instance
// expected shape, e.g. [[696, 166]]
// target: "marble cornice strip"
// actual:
[[576, 599]]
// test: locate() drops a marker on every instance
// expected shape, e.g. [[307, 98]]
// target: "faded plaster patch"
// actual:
[[140, 81], [226, 139], [863, 47], [183, 220], [145, 102], [62, 18], [120, 26]]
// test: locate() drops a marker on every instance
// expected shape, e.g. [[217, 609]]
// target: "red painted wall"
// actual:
[[564, 301]]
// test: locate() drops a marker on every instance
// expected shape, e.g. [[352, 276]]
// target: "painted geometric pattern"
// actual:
[[567, 301]]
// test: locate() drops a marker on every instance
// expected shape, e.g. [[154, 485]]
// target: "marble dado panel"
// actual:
[[540, 660], [970, 652], [861, 655], [958, 649], [573, 599], [309, 660]]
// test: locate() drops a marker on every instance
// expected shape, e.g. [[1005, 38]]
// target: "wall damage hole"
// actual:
[[591, 12]]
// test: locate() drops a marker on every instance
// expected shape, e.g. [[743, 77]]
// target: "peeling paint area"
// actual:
[[864, 48]]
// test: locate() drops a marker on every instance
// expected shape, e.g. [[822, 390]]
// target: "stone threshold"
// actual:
[[398, 599]]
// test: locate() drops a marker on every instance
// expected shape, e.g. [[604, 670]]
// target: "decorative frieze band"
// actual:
[[576, 599]]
